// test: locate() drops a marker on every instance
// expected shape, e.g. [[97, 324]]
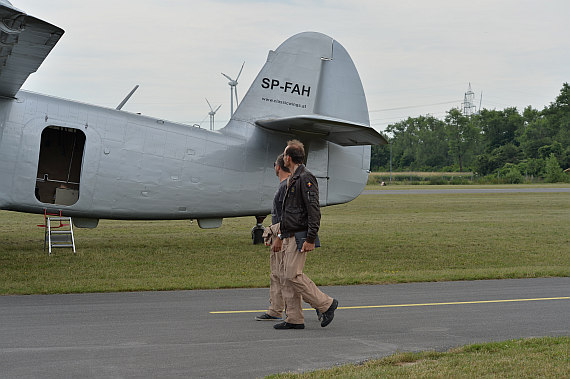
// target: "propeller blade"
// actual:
[[235, 88], [209, 105], [227, 76], [240, 71], [217, 108]]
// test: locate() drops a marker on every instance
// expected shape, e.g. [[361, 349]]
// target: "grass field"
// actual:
[[373, 239], [528, 358]]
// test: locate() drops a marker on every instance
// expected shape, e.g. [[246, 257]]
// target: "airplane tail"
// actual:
[[310, 85]]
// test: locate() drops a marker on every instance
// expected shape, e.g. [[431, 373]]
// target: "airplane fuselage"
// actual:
[[93, 162]]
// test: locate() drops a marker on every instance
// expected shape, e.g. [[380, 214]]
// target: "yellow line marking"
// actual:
[[414, 305]]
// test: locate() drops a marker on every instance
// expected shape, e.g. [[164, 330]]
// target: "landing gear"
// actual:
[[257, 231]]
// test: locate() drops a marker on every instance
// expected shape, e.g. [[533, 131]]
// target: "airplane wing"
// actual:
[[341, 132], [25, 42]]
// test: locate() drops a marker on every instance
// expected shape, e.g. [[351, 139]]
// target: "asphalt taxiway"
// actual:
[[212, 333]]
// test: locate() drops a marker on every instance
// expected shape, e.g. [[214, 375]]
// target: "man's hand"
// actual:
[[277, 244], [307, 247]]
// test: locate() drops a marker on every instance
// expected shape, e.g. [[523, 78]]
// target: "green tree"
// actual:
[[432, 149], [545, 128], [532, 167], [484, 142], [487, 163], [546, 150], [565, 159], [484, 165], [404, 142], [512, 174], [536, 134], [462, 136], [380, 157], [499, 127], [419, 143], [554, 173], [558, 114]]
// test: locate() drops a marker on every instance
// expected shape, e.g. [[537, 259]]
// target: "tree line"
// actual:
[[496, 143]]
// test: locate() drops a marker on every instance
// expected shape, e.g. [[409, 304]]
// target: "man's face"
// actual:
[[277, 168], [287, 159]]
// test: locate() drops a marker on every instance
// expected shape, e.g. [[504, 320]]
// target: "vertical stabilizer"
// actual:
[[308, 74]]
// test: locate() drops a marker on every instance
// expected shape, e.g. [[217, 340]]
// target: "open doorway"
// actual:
[[59, 166]]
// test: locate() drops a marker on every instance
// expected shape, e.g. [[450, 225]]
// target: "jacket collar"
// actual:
[[293, 178], [299, 171]]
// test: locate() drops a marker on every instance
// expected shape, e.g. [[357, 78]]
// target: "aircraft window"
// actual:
[[59, 166]]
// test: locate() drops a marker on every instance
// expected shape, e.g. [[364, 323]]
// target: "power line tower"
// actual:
[[468, 106]]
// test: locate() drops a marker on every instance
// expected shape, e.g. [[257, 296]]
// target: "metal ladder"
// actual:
[[57, 235], [60, 237]]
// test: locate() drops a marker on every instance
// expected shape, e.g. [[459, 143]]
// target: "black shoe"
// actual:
[[266, 317], [286, 325], [329, 314], [319, 315]]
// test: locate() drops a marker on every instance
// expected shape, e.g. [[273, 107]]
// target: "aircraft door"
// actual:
[[59, 165]]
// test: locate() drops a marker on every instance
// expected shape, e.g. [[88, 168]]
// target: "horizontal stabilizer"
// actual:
[[341, 132], [25, 42]]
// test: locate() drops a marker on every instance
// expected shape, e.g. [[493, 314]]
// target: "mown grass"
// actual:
[[373, 239], [527, 358]]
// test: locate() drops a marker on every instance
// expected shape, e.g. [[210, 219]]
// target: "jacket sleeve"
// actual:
[[310, 189]]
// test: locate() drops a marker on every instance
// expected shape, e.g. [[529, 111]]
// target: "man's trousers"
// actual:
[[275, 296], [297, 286]]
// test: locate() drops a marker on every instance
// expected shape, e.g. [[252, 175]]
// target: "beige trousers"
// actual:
[[297, 286], [275, 297], [275, 263]]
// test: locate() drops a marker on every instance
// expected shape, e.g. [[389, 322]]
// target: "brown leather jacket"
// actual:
[[301, 205]]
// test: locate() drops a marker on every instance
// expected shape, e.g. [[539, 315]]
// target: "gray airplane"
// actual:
[[94, 163]]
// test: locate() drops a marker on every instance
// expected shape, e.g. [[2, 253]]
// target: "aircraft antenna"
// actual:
[[127, 98], [212, 113], [233, 89], [468, 107]]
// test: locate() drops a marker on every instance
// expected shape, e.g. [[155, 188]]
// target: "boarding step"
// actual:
[[58, 231]]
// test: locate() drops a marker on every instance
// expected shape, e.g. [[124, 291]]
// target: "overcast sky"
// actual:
[[414, 57]]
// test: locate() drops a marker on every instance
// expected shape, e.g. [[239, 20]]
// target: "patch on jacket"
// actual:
[[312, 195]]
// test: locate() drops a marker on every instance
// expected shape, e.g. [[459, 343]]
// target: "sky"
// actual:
[[414, 57]]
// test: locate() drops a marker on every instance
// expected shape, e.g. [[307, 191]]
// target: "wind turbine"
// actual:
[[212, 113], [233, 89]]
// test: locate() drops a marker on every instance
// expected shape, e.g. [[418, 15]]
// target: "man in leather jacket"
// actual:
[[301, 218]]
